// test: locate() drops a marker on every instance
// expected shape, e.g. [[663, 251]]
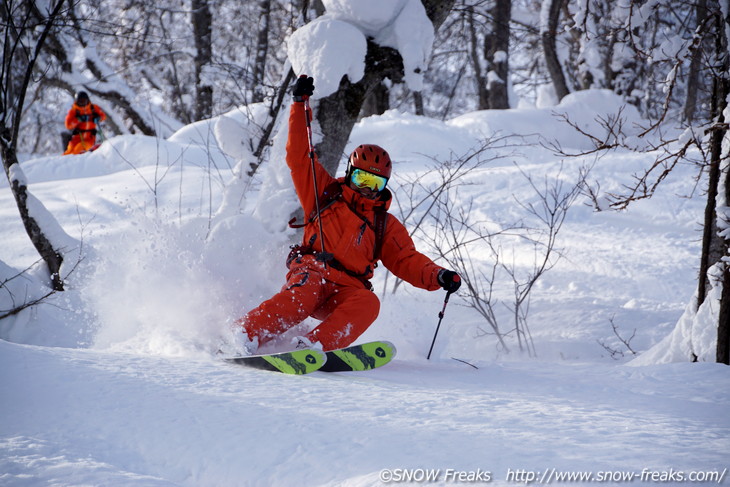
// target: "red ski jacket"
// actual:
[[82, 118], [348, 224]]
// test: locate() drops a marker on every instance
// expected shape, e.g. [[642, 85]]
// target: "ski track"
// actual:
[[74, 417]]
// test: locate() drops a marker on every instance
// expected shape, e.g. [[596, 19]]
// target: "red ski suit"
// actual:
[[340, 297], [81, 120]]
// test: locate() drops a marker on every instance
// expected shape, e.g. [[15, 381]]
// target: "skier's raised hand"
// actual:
[[303, 88]]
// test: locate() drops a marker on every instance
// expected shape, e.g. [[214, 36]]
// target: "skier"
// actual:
[[82, 119], [331, 282]]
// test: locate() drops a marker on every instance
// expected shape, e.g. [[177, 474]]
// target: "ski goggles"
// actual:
[[364, 179]]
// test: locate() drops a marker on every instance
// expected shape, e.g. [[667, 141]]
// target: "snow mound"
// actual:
[[587, 110], [334, 45], [310, 53]]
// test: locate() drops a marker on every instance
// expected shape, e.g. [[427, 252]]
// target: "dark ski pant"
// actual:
[[346, 311]]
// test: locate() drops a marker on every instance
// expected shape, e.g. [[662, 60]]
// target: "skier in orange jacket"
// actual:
[[332, 283], [81, 120]]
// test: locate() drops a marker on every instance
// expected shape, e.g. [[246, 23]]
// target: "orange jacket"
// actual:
[[82, 118], [350, 237]]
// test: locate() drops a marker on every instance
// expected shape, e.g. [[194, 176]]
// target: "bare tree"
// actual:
[[617, 352], [22, 42], [707, 142], [437, 212], [486, 37]]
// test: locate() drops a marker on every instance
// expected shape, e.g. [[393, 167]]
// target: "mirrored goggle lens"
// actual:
[[368, 180]]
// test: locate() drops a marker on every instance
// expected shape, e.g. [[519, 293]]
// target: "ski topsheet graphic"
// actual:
[[365, 356], [297, 362]]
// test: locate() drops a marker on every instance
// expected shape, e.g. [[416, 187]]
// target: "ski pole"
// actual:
[[441, 317], [101, 133], [308, 117]]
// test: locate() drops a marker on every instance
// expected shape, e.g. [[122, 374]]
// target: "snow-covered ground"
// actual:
[[115, 381], [89, 417]]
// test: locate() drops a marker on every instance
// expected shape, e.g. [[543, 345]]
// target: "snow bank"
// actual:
[[409, 138], [586, 109]]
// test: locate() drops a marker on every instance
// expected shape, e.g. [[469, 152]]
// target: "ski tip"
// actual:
[[391, 345], [360, 357]]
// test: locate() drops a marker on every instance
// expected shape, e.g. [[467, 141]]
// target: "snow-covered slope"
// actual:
[[115, 382], [84, 417]]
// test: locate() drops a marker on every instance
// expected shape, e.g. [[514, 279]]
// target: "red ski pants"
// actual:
[[80, 143], [346, 311]]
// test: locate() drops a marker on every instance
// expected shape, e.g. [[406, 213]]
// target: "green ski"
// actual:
[[366, 356], [297, 362]]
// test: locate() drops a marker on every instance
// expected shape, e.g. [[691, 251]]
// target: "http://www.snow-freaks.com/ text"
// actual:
[[549, 476]]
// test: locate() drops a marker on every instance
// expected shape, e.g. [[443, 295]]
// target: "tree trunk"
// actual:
[[377, 101], [418, 103], [337, 115], [712, 243], [497, 52], [550, 50], [48, 253], [723, 321], [437, 10], [723, 324], [693, 74], [202, 20], [262, 50], [479, 79], [720, 133]]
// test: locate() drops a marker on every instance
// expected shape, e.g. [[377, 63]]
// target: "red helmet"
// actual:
[[371, 158]]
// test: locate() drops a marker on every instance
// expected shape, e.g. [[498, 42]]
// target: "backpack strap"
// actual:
[[381, 220], [332, 193]]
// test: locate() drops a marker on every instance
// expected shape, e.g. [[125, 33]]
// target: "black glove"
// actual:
[[75, 132], [303, 88], [449, 280]]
